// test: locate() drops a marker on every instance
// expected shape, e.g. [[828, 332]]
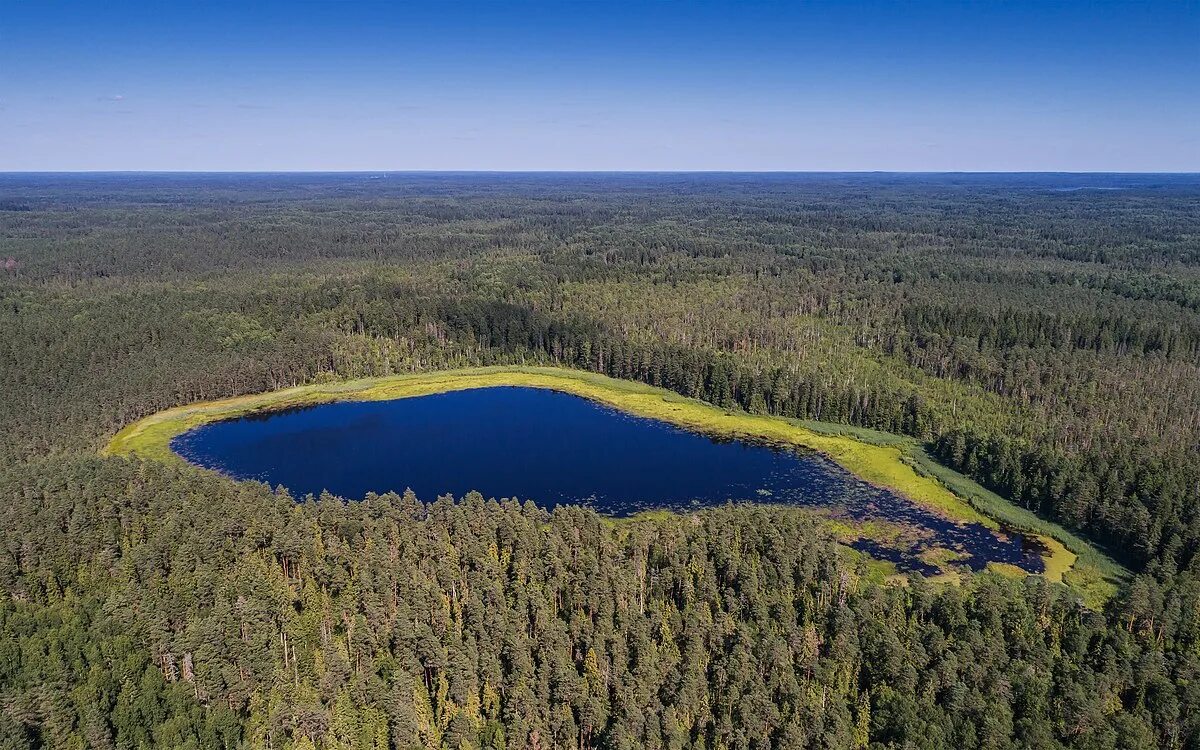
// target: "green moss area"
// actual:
[[897, 463]]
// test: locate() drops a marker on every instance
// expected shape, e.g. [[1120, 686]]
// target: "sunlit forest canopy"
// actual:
[[1039, 333]]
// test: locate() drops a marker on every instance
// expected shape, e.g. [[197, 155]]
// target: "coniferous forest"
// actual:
[[1038, 333]]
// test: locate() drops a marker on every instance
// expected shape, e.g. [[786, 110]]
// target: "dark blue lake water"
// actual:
[[555, 448]]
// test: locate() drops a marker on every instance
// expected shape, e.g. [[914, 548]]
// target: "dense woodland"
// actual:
[[1040, 333]]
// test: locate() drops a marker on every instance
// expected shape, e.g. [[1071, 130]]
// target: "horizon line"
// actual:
[[593, 171]]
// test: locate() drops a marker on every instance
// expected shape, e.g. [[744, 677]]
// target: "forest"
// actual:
[[1038, 333]]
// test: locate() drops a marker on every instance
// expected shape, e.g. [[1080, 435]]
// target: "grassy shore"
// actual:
[[886, 460], [1072, 559]]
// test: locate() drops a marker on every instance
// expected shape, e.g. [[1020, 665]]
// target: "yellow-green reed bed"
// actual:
[[885, 460]]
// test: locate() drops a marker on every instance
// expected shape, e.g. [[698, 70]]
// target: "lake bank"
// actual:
[[879, 463]]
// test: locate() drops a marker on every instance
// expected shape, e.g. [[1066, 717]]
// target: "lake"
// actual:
[[555, 448]]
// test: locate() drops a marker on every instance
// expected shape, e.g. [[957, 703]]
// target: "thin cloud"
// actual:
[[111, 98]]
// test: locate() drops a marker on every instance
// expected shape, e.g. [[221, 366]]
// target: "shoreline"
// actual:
[[884, 465]]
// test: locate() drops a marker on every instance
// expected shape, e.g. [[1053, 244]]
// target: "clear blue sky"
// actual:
[[920, 85]]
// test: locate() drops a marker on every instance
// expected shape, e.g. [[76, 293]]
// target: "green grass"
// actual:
[[1085, 568], [887, 460]]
